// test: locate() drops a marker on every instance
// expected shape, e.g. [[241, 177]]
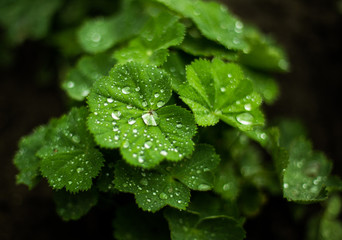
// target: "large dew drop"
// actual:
[[245, 118], [150, 118], [126, 90]]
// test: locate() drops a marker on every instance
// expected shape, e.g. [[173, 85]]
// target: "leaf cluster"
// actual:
[[168, 108]]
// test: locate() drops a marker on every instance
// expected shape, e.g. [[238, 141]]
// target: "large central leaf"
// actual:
[[128, 112]]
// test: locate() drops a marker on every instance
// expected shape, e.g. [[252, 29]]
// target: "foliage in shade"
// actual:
[[70, 158], [73, 206]]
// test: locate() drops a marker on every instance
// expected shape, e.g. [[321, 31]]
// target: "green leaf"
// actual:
[[127, 111], [169, 183], [100, 34], [264, 53], [264, 84], [306, 173], [151, 47], [218, 90], [27, 19], [80, 80], [74, 206], [26, 160], [213, 20], [187, 226], [196, 45], [131, 223], [70, 158]]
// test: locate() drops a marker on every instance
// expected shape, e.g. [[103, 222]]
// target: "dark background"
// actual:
[[310, 31]]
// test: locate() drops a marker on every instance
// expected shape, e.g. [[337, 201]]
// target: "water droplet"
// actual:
[[116, 115], [238, 25], [286, 185], [70, 84], [144, 182], [70, 182], [245, 118], [148, 144], [156, 95], [160, 104], [229, 75], [248, 107], [163, 196], [96, 37], [137, 89], [144, 104], [131, 121], [110, 100], [126, 144], [222, 89], [203, 187], [141, 159], [79, 170], [226, 187], [179, 125], [150, 118], [126, 90], [164, 153], [76, 139]]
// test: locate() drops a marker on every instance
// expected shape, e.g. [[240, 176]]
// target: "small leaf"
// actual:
[[27, 19], [187, 225], [74, 206], [213, 20], [26, 160], [160, 33], [169, 183], [70, 158], [127, 112], [131, 223], [218, 90], [196, 45], [80, 80], [264, 53], [306, 173], [98, 35]]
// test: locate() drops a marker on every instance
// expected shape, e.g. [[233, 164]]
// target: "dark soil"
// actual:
[[310, 32]]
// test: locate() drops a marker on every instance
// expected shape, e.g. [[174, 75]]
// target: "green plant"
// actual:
[[167, 106]]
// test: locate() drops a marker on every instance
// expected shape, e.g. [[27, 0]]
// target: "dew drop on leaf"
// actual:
[[245, 118], [126, 90], [148, 144], [203, 187], [160, 104], [248, 107], [163, 196], [150, 118], [164, 153], [76, 139], [110, 100], [144, 182], [131, 121], [116, 115]]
